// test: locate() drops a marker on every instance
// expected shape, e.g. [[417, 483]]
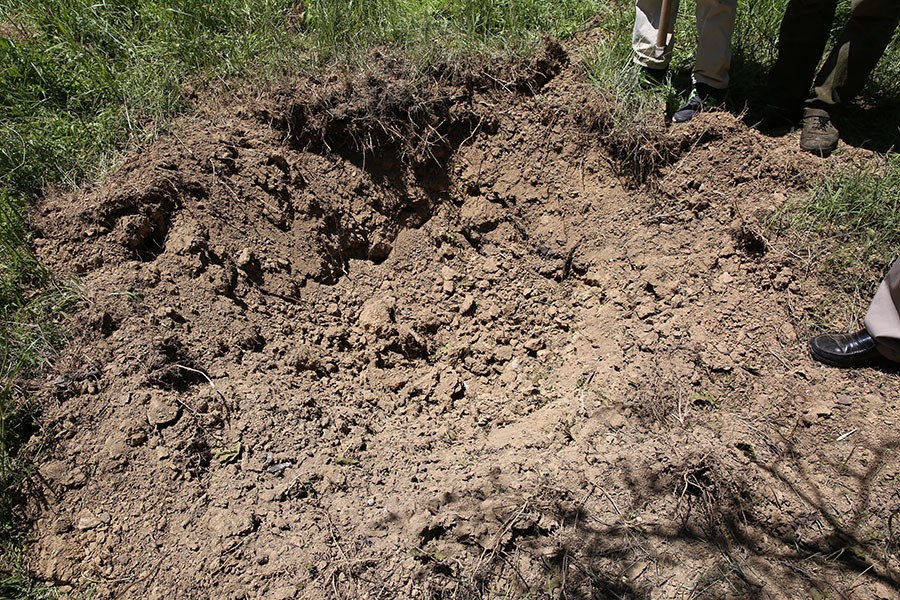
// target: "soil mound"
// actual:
[[379, 337]]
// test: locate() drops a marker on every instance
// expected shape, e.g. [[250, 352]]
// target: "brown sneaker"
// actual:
[[818, 136]]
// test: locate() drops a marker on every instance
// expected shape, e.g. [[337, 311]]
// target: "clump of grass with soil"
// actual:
[[848, 231]]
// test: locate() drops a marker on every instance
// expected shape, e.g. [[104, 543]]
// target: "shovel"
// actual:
[[665, 15]]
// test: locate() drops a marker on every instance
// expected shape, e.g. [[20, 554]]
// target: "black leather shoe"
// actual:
[[845, 349]]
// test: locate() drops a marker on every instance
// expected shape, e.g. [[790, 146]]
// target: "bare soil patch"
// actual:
[[388, 338]]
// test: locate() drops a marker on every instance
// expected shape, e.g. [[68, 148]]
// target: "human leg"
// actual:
[[883, 316], [801, 40], [646, 28], [878, 341], [715, 27], [858, 49], [854, 56]]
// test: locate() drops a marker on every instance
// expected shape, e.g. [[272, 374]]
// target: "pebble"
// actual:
[[844, 400], [87, 521], [821, 410], [245, 259], [534, 344], [375, 316], [62, 526], [136, 438], [616, 420], [467, 306], [161, 412], [228, 523]]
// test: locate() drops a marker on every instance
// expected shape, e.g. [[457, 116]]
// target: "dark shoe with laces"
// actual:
[[845, 349], [818, 135], [704, 98]]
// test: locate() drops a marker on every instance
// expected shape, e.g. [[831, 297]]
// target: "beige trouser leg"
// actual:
[[715, 25], [883, 318]]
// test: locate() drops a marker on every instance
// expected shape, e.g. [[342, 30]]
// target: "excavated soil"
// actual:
[[379, 337]]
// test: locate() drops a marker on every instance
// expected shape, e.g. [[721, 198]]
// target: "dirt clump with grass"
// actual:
[[453, 336]]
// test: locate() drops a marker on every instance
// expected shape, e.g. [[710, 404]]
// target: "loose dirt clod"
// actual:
[[455, 354]]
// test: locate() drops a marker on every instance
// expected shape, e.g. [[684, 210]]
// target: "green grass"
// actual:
[[847, 230], [14, 584], [82, 77], [441, 30]]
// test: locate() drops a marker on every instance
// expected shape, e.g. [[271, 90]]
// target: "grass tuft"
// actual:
[[848, 228]]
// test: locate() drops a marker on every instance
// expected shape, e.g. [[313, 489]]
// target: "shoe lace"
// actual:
[[694, 103], [820, 123]]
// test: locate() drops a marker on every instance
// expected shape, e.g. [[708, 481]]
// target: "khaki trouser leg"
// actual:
[[883, 317], [855, 54], [643, 37], [715, 26]]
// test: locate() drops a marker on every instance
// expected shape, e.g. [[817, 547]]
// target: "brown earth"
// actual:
[[370, 338]]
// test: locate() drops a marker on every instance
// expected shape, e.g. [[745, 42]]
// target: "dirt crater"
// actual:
[[426, 338]]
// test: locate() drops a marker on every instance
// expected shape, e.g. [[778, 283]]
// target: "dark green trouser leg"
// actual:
[[801, 41], [857, 51]]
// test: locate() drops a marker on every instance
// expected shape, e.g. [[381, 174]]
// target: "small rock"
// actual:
[[228, 523], [245, 259], [87, 521], [136, 438], [503, 354], [616, 420], [636, 570], [333, 309], [59, 472], [167, 312], [552, 552], [377, 315], [467, 307], [821, 410], [844, 400], [647, 309], [595, 278], [534, 344], [62, 526], [161, 413], [287, 592]]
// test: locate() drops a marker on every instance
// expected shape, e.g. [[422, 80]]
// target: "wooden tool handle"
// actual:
[[665, 16]]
